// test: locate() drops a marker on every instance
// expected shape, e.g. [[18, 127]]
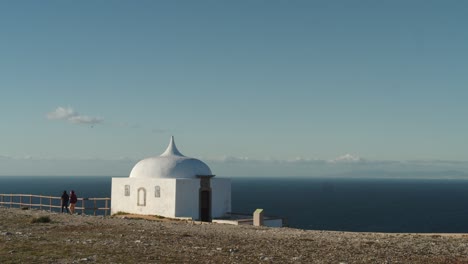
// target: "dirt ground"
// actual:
[[81, 239]]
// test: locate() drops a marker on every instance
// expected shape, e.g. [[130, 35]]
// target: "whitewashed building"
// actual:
[[172, 185]]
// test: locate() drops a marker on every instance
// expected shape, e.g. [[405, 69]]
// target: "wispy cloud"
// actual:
[[344, 159], [4, 157], [347, 158], [347, 166], [343, 166], [68, 114]]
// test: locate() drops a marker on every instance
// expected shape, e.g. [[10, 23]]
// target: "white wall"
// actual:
[[164, 205], [220, 197], [187, 198]]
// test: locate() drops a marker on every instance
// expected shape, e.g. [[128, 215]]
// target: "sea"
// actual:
[[340, 204]]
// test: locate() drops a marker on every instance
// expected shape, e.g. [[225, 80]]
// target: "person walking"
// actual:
[[65, 198], [73, 200]]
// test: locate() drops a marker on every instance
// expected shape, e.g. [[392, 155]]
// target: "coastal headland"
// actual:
[[96, 239]]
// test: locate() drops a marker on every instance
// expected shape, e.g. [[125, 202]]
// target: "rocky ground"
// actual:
[[81, 239]]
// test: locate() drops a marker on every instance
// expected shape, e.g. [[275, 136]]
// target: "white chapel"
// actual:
[[172, 185]]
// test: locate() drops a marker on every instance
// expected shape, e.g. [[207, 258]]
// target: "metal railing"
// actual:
[[53, 203]]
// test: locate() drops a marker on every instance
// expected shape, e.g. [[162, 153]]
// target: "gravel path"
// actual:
[[81, 239]]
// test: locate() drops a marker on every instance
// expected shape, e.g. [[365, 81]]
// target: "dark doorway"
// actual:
[[205, 206]]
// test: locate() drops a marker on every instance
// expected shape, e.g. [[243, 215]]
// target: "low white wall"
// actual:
[[266, 222], [228, 222]]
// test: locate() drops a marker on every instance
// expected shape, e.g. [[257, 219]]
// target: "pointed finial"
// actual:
[[172, 149]]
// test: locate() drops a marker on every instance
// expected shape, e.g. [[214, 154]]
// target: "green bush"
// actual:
[[41, 219]]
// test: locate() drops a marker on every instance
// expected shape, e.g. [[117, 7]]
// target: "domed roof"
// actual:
[[170, 164]]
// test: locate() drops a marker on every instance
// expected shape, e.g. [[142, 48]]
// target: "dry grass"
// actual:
[[76, 239]]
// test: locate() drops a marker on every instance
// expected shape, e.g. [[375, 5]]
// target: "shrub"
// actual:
[[41, 219], [120, 213]]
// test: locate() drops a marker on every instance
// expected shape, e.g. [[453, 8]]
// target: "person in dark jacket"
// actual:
[[73, 200], [65, 199]]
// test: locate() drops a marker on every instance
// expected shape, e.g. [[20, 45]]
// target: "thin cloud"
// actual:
[[85, 120], [61, 113], [304, 161], [344, 159], [68, 114], [347, 158], [4, 157], [439, 162], [295, 161]]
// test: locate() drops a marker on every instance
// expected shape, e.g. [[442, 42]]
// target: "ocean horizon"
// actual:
[[319, 203]]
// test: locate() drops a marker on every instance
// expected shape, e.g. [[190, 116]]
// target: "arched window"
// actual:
[[141, 196]]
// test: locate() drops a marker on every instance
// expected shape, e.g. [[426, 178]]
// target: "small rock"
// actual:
[[6, 234], [219, 249], [137, 241]]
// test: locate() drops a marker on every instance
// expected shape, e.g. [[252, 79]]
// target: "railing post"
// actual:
[[50, 203], [21, 201], [83, 206], [11, 199], [105, 210], [40, 202], [30, 201], [95, 207]]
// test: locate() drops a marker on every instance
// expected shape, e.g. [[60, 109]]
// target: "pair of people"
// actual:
[[72, 199]]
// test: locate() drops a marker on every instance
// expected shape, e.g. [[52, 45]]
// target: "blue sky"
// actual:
[[251, 87]]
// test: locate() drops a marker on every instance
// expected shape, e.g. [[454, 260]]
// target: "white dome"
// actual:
[[170, 164]]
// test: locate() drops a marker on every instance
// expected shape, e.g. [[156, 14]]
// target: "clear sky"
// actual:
[[251, 87]]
